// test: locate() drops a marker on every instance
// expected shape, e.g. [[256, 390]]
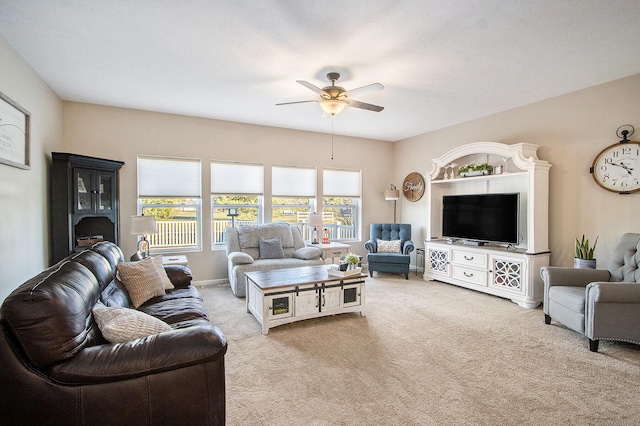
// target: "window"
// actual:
[[293, 191], [341, 203], [169, 189], [236, 188]]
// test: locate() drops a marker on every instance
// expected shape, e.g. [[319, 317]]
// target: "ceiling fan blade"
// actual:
[[310, 86], [297, 102], [363, 105], [364, 89]]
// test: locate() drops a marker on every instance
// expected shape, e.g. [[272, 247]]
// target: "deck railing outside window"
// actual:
[[178, 233]]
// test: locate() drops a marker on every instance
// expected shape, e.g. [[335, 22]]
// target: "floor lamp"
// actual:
[[392, 194]]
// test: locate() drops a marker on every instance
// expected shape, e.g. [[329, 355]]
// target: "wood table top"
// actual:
[[296, 276]]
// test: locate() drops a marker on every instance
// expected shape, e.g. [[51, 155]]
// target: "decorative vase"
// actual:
[[584, 263]]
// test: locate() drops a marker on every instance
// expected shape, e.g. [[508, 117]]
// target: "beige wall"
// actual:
[[24, 227], [570, 130], [122, 134]]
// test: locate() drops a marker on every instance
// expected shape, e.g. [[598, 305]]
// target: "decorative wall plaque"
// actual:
[[413, 186]]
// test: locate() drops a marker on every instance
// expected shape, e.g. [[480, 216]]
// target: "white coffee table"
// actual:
[[282, 296]]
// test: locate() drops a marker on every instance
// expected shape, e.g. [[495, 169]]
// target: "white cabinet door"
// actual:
[[352, 295], [307, 303], [438, 261], [508, 274], [279, 306], [331, 299]]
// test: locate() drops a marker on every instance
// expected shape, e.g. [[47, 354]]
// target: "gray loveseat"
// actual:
[[245, 254]]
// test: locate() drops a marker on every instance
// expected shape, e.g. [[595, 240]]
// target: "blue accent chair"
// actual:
[[389, 262]]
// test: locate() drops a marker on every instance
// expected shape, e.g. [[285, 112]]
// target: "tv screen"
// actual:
[[481, 217]]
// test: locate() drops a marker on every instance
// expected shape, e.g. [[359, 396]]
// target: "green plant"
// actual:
[[583, 251], [473, 167], [352, 259]]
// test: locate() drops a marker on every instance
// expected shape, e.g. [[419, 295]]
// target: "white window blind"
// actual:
[[341, 183], [293, 181], [237, 178], [168, 177]]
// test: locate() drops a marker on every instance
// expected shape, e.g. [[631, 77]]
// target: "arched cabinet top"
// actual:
[[523, 155]]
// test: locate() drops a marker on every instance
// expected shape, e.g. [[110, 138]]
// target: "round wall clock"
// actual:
[[413, 186], [617, 167]]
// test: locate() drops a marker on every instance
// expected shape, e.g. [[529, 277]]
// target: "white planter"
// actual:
[[475, 173], [584, 263]]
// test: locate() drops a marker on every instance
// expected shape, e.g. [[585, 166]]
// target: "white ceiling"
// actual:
[[442, 62]]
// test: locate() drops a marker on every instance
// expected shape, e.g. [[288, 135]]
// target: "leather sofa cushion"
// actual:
[[153, 354], [177, 306]]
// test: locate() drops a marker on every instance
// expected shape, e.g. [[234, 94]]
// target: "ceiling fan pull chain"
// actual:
[[332, 137]]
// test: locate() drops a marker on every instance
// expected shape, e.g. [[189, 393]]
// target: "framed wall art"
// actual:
[[14, 133]]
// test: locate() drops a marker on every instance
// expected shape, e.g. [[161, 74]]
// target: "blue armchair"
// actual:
[[389, 247]]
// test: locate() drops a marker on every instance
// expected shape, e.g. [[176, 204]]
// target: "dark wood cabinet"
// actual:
[[84, 202]]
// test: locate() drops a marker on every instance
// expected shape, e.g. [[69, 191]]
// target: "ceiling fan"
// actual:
[[333, 99]]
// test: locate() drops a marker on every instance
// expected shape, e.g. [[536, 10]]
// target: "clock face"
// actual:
[[617, 168], [413, 186]]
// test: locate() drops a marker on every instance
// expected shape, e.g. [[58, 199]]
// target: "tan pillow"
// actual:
[[166, 282], [141, 279], [119, 325], [392, 246]]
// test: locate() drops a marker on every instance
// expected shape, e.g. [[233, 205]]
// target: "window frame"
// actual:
[[196, 205]]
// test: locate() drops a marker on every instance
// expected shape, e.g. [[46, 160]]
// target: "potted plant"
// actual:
[[474, 169], [584, 254], [352, 260]]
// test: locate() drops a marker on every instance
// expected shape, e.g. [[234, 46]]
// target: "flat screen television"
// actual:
[[481, 217]]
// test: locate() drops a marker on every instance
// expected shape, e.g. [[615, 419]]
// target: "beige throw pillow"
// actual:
[[141, 279], [166, 282], [119, 325], [392, 246]]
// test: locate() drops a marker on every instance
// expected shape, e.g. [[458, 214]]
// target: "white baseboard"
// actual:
[[218, 282]]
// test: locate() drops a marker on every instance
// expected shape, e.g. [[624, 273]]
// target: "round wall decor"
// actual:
[[413, 186]]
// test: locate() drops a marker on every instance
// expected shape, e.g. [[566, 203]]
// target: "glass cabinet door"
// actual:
[[84, 190], [105, 192]]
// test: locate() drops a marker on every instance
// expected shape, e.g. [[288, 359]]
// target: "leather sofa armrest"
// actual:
[[240, 258], [407, 247], [180, 276], [371, 246], [170, 350], [571, 277]]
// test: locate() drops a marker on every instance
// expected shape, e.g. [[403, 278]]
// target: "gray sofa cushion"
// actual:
[[249, 237], [271, 248]]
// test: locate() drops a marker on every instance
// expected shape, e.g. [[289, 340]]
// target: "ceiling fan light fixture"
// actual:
[[332, 106]]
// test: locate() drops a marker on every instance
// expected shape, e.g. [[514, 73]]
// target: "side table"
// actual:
[[175, 260], [419, 260], [333, 250]]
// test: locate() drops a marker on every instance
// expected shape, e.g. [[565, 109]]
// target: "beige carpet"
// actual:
[[425, 353]]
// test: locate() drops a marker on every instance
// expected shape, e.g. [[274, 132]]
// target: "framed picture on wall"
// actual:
[[14, 133]]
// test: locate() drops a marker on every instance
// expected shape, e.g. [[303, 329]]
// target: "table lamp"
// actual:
[[143, 226], [315, 220]]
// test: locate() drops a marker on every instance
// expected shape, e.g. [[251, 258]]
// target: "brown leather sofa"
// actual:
[[57, 368]]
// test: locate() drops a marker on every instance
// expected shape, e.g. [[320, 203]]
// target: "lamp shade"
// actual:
[[315, 219], [392, 194], [332, 106], [143, 225]]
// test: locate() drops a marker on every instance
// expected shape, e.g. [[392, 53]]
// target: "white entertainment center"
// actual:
[[509, 271]]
